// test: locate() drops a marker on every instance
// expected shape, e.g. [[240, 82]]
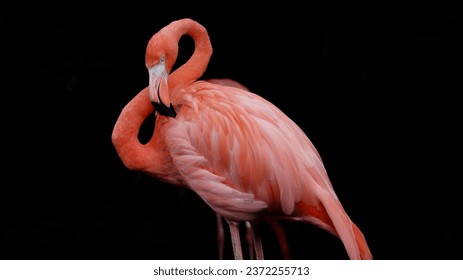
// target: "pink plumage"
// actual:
[[240, 153]]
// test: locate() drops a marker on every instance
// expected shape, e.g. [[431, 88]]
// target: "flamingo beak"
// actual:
[[159, 90]]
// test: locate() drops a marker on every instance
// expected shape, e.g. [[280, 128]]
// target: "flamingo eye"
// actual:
[[162, 59]]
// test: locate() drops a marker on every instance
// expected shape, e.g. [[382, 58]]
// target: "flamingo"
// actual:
[[239, 152]]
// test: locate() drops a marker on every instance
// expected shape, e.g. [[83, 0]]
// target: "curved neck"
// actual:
[[133, 154], [197, 64]]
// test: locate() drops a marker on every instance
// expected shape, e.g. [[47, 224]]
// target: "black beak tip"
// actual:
[[164, 110]]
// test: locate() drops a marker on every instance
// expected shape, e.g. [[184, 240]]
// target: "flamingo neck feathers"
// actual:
[[194, 68], [134, 155], [150, 157]]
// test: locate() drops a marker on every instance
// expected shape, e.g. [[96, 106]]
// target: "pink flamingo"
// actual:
[[241, 154]]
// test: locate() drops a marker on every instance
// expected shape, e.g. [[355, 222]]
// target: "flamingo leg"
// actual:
[[250, 240], [236, 240], [281, 236], [256, 238], [220, 236]]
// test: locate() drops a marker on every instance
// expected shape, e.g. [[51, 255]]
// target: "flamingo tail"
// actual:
[[331, 216]]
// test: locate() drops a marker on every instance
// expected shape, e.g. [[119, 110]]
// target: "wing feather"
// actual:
[[251, 145], [213, 188]]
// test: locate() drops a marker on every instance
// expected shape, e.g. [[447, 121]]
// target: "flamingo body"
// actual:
[[241, 154]]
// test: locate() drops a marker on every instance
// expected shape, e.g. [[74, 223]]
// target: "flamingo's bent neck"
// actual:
[[167, 39]]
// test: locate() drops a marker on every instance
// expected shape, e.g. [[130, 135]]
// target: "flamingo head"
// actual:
[[159, 62]]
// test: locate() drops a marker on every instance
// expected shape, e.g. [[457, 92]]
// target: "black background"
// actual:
[[377, 90]]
